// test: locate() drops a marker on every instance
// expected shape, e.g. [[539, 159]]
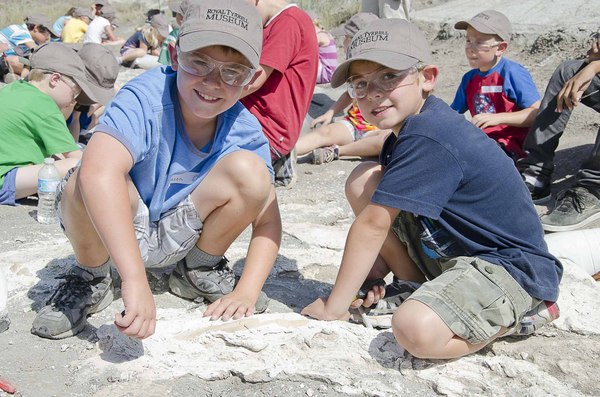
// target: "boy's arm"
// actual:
[[262, 252], [365, 239], [520, 118], [105, 188], [342, 103]]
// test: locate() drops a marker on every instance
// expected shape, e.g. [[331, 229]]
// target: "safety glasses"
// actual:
[[232, 73]]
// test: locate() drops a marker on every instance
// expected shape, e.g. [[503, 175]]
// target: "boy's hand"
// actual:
[[317, 311], [140, 312], [570, 95], [323, 119], [484, 120], [231, 306], [375, 294]]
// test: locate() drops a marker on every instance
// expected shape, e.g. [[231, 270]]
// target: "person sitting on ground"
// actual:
[[59, 24], [499, 93], [98, 4], [33, 123], [101, 29], [573, 82], [352, 135], [428, 212], [75, 28], [388, 8], [280, 97], [327, 52], [163, 57], [142, 48], [20, 39], [188, 160]]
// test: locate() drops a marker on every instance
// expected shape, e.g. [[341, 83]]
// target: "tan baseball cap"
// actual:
[[83, 12], [393, 43], [101, 69], [489, 22], [42, 20], [61, 58], [232, 23], [175, 6], [354, 24], [160, 22]]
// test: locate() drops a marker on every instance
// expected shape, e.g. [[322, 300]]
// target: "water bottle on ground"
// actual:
[[48, 179]]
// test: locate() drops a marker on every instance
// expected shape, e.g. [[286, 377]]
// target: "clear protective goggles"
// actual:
[[232, 73], [385, 80]]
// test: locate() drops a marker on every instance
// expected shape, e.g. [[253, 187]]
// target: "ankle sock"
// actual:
[[100, 271], [197, 258]]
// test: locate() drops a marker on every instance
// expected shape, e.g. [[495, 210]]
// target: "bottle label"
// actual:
[[47, 185]]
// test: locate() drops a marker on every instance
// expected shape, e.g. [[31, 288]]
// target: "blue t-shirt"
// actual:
[[145, 117], [16, 36], [469, 198]]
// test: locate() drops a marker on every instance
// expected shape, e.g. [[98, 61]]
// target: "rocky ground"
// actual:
[[282, 353]]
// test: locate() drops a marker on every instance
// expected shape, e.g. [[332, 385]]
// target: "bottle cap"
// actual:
[[49, 160]]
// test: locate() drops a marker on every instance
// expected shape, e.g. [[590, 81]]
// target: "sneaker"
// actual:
[[575, 208], [536, 318], [540, 192], [76, 298], [326, 154], [285, 170], [210, 283], [380, 314]]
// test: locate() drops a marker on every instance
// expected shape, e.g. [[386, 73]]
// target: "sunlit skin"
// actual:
[[64, 91], [481, 59], [40, 35], [389, 109]]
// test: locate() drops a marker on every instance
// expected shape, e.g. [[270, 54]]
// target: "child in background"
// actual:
[[97, 9], [100, 30], [499, 93], [428, 212], [142, 48], [327, 52], [164, 57], [352, 135], [60, 22], [75, 28], [186, 159]]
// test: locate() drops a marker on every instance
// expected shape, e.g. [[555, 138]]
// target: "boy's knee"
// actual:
[[359, 179], [416, 333], [248, 173]]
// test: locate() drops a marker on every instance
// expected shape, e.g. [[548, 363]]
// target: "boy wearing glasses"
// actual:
[[499, 93], [429, 212], [32, 126], [189, 171]]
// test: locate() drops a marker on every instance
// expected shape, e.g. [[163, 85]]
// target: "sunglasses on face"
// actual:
[[385, 80], [232, 73]]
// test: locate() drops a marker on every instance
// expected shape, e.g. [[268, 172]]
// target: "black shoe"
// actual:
[[76, 298], [210, 283], [575, 208]]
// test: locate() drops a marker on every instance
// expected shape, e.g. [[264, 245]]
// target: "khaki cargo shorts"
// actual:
[[473, 297], [164, 242]]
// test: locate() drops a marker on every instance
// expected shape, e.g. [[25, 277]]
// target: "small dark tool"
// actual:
[[367, 286]]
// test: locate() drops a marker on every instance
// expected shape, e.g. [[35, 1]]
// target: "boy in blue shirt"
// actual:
[[189, 170], [456, 217], [499, 93]]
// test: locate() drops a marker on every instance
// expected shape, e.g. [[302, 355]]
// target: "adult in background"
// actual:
[[388, 8]]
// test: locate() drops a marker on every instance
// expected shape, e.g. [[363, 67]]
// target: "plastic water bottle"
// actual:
[[48, 179]]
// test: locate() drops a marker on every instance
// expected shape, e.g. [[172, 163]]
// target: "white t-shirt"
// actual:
[[96, 30]]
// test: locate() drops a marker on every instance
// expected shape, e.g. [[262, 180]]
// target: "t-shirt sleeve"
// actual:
[[460, 98], [520, 88], [421, 177], [125, 119], [55, 135], [280, 47]]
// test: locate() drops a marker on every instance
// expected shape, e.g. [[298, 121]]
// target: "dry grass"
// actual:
[[132, 12]]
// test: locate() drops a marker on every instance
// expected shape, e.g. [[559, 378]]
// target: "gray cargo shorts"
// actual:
[[473, 297], [164, 242]]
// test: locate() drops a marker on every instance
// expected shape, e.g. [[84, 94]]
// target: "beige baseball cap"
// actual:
[[61, 58], [232, 23], [42, 20], [101, 69], [354, 24], [83, 12], [393, 43], [489, 22], [160, 22], [175, 6]]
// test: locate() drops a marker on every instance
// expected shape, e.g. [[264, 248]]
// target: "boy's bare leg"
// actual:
[[327, 135], [393, 256], [368, 146], [87, 245], [27, 177], [424, 334]]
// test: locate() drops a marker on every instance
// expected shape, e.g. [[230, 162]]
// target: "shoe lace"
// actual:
[[223, 271], [70, 291], [572, 197]]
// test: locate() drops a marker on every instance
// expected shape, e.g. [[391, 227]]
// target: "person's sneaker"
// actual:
[[327, 154], [76, 298], [575, 208], [536, 318], [285, 170], [380, 314], [540, 192], [210, 283]]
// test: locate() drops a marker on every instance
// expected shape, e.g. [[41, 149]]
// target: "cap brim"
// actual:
[[190, 42], [88, 94], [385, 58], [103, 95], [164, 32], [478, 26]]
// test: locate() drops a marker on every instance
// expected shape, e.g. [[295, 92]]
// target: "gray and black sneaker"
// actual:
[[76, 298], [210, 283], [575, 208]]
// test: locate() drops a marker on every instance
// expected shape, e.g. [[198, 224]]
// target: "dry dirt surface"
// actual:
[[281, 353]]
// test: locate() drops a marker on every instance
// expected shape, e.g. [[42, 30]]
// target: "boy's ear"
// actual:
[[429, 73], [502, 47], [173, 54], [54, 79]]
